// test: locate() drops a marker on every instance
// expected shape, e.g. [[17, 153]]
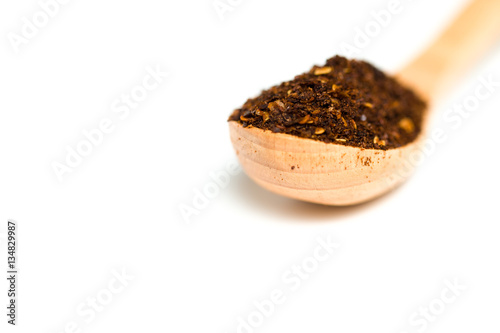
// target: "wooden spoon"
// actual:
[[332, 174]]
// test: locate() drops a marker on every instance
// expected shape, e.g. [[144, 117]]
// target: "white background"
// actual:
[[119, 209]]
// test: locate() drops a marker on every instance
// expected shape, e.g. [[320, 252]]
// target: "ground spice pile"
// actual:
[[345, 101]]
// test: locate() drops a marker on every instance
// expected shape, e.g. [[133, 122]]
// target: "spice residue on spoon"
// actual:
[[345, 101]]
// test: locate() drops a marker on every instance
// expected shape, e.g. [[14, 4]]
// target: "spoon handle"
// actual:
[[462, 43]]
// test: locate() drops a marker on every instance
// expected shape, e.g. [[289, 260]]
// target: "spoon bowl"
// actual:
[[318, 172]]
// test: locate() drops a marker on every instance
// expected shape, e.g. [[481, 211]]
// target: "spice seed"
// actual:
[[322, 70], [345, 122], [304, 119], [407, 125], [354, 124], [265, 116], [319, 130]]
